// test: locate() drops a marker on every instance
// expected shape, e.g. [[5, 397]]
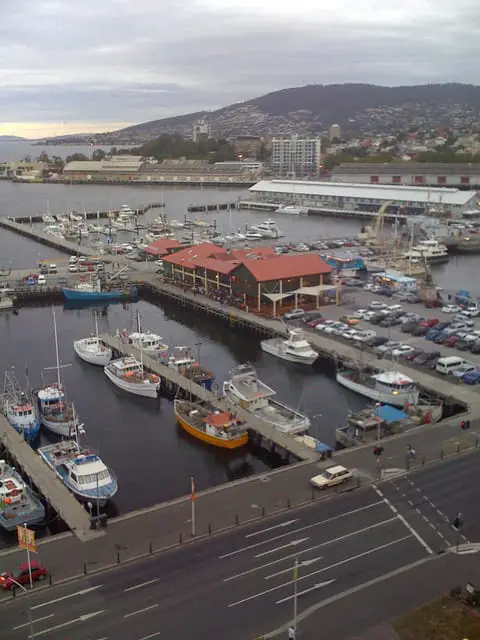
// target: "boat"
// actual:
[[295, 348], [387, 387], [122, 221], [19, 505], [96, 291], [150, 343], [269, 229], [218, 428], [6, 302], [129, 375], [187, 366], [20, 408], [81, 470], [430, 250], [92, 349], [75, 217], [176, 224], [56, 413], [253, 234], [48, 219], [244, 389], [292, 210]]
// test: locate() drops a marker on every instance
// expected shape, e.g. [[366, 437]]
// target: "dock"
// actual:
[[87, 215], [47, 483], [322, 211], [170, 377]]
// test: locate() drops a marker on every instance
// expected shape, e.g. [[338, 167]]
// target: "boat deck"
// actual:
[[251, 390], [67, 507]]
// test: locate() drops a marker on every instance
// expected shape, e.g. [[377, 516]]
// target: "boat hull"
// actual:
[[150, 390], [100, 358], [59, 427], [28, 430], [274, 350], [94, 296], [378, 395], [233, 443]]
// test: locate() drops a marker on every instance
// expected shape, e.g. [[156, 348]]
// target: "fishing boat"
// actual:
[[295, 348], [187, 366], [387, 387], [218, 428], [244, 389], [56, 413], [19, 505], [129, 375], [92, 349], [149, 343], [97, 291], [81, 470], [20, 408]]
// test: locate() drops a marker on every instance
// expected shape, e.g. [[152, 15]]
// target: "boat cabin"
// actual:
[[218, 424], [394, 381], [126, 367], [50, 397], [297, 343]]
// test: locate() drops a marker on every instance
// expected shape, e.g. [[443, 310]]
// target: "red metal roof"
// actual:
[[218, 266], [284, 267], [188, 257], [161, 246]]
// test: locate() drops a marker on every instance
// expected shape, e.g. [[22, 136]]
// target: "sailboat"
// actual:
[[92, 349], [56, 413]]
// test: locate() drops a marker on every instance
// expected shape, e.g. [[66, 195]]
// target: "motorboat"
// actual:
[[176, 224], [19, 505], [244, 389], [75, 217], [430, 250], [387, 387], [92, 349], [295, 348], [122, 222], [81, 470], [129, 375], [253, 234], [48, 219], [187, 366], [218, 428], [292, 210], [126, 210], [20, 408], [269, 229], [149, 343]]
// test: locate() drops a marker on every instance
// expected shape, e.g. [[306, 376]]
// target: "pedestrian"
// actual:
[[291, 633]]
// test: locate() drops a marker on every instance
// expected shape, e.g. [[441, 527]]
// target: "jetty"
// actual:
[[47, 483], [171, 379], [88, 215]]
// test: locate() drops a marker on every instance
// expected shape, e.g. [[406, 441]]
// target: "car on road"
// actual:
[[451, 308], [22, 575], [331, 477], [376, 305], [412, 355], [402, 350], [463, 369], [473, 377], [294, 314]]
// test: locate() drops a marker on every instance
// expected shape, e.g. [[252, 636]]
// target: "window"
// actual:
[[373, 179], [396, 179], [419, 180], [464, 180], [441, 180]]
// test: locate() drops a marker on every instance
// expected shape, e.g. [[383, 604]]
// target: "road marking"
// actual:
[[314, 573], [402, 519], [135, 613], [83, 618], [282, 524], [307, 563], [317, 546], [152, 635], [142, 584], [26, 624], [319, 585], [304, 528], [70, 595], [293, 543]]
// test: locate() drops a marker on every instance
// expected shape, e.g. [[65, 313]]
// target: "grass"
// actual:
[[443, 619]]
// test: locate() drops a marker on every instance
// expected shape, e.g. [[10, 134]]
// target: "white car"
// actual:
[[471, 338], [463, 369], [402, 349], [364, 335], [451, 308], [41, 281], [369, 315], [331, 477], [351, 334], [376, 305], [72, 267], [360, 313], [338, 329], [395, 307], [471, 312], [324, 325]]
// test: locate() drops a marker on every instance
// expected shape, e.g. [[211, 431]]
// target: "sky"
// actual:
[[70, 66]]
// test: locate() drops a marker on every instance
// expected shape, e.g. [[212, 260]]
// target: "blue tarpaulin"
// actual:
[[390, 414]]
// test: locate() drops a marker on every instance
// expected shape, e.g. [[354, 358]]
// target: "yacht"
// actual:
[[122, 222], [129, 375], [244, 389], [387, 387], [92, 349], [253, 234], [430, 250], [292, 210], [19, 505], [176, 224], [75, 217], [295, 348], [269, 229]]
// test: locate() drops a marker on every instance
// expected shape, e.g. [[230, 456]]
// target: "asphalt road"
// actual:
[[239, 586]]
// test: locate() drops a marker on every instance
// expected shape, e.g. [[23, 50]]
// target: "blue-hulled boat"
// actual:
[[20, 408], [96, 291]]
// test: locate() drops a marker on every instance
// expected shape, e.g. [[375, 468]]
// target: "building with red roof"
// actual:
[[162, 247]]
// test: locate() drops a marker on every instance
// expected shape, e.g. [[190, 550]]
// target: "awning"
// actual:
[[390, 414], [275, 297], [316, 290]]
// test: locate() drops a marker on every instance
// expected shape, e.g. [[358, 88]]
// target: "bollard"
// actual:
[[50, 580], [458, 447], [263, 511], [423, 461], [85, 568], [441, 454], [118, 557], [236, 519], [210, 528], [288, 503], [150, 548], [180, 539], [313, 493]]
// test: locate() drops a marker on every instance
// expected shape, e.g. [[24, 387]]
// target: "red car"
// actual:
[[433, 304], [451, 341], [313, 323], [22, 575], [429, 322]]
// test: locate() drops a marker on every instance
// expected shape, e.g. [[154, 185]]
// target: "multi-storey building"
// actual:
[[296, 156]]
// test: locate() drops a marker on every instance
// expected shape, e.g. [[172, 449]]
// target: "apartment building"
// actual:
[[296, 156]]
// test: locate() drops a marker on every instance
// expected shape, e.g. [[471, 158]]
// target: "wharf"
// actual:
[[47, 483], [88, 215], [321, 211], [172, 378], [204, 208]]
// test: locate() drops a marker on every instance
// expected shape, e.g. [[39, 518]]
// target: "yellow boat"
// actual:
[[218, 428]]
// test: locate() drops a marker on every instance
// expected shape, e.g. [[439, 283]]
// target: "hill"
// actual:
[[12, 139]]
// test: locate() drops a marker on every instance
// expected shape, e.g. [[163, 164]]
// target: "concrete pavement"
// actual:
[[241, 585]]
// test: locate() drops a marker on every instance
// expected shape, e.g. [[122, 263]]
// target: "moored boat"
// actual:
[[217, 428], [96, 291], [92, 349], [20, 408], [149, 343], [182, 361], [19, 505], [387, 387], [129, 375], [295, 348]]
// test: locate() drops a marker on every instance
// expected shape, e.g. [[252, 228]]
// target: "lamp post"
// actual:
[[30, 619]]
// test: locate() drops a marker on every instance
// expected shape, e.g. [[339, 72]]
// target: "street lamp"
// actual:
[[30, 620]]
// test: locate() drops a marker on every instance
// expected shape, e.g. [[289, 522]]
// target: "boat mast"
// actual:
[[56, 348], [96, 324]]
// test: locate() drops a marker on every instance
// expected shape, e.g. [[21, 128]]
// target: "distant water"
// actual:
[[15, 151]]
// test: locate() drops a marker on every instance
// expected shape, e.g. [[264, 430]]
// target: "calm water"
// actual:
[[15, 151]]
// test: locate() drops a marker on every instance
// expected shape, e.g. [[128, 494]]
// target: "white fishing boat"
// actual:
[[92, 349], [387, 387], [244, 389], [292, 210], [269, 229], [129, 375], [295, 348], [147, 342]]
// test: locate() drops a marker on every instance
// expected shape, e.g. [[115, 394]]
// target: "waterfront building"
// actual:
[[369, 198], [420, 174], [162, 247], [296, 156]]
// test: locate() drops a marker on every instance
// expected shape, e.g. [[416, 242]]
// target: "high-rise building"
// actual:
[[334, 132], [296, 156], [201, 129]]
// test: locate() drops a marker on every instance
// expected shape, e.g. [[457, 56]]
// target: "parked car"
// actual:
[[360, 313], [41, 280], [429, 322], [451, 341], [472, 378], [462, 345], [431, 361], [389, 321], [308, 316], [441, 326], [434, 304], [419, 330], [350, 320], [441, 337], [336, 327], [294, 314], [365, 335], [432, 334], [471, 312], [395, 307], [321, 326], [386, 347], [316, 322], [376, 305], [22, 575], [412, 298], [463, 369], [377, 318], [385, 291], [412, 354], [402, 349], [421, 359], [377, 341], [408, 327], [350, 334], [451, 308], [454, 328]]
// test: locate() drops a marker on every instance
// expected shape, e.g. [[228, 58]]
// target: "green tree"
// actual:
[[43, 157], [76, 157], [98, 154]]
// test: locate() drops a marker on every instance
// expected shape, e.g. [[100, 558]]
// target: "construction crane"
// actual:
[[373, 235]]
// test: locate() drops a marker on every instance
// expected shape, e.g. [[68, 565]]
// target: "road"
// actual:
[[241, 585]]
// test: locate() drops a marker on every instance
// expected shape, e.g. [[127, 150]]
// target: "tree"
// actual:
[[76, 157], [98, 154], [43, 157]]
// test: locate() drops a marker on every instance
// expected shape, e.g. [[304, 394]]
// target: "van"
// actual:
[[52, 268], [449, 365]]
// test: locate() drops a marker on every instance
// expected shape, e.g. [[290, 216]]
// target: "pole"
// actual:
[[30, 619], [98, 497], [295, 576], [28, 559], [379, 421], [192, 484]]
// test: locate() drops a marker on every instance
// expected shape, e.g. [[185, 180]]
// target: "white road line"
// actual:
[[26, 624], [317, 546], [314, 573], [304, 528], [135, 613], [152, 635], [402, 519], [70, 595], [142, 584], [319, 585], [83, 618], [282, 524], [293, 543]]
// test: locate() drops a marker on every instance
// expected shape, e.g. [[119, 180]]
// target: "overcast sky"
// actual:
[[90, 65]]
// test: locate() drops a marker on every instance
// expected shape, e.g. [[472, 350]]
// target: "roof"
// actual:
[[427, 196], [219, 266], [395, 276], [219, 419], [189, 256], [113, 165], [393, 377], [161, 246], [407, 168], [282, 267]]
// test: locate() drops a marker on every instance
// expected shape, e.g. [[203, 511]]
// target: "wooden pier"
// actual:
[[172, 379], [88, 215], [55, 492]]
